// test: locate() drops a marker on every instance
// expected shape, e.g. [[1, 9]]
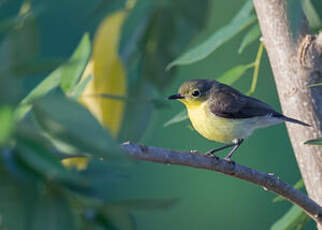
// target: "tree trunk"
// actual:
[[295, 58]]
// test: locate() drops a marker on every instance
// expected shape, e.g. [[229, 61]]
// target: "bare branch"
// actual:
[[195, 160]]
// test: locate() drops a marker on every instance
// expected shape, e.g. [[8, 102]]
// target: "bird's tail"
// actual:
[[285, 118]]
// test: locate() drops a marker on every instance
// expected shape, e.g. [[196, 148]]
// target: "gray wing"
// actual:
[[230, 103]]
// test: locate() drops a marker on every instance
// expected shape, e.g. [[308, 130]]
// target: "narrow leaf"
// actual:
[[50, 82], [256, 69], [232, 75], [315, 85], [7, 123], [38, 158], [311, 14], [294, 218], [317, 141], [252, 35], [78, 89], [245, 11], [72, 73], [177, 118], [242, 20]]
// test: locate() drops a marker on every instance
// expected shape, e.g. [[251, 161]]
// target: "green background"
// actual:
[[206, 200]]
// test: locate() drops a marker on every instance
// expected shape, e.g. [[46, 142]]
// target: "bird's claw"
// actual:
[[211, 155], [229, 160], [193, 151]]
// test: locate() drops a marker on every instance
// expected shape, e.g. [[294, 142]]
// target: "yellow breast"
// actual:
[[214, 127]]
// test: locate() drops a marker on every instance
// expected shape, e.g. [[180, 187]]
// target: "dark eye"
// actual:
[[196, 93]]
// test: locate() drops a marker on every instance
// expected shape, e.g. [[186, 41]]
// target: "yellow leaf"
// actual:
[[109, 75], [80, 163]]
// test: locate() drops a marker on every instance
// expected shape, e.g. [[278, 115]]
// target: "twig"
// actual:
[[256, 69], [195, 160]]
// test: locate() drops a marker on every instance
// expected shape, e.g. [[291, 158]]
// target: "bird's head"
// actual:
[[193, 92]]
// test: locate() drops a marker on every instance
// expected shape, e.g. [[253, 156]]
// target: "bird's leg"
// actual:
[[236, 144], [211, 152]]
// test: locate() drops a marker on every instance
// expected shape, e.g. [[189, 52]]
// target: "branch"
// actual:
[[196, 160], [296, 60]]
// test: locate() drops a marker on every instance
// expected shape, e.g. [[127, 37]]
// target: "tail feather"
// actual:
[[285, 118]]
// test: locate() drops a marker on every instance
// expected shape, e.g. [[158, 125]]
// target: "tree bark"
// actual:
[[295, 57]]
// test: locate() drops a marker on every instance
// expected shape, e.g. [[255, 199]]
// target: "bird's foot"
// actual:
[[211, 155], [194, 151], [229, 160]]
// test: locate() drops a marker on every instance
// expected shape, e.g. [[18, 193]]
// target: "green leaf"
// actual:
[[242, 20], [252, 35], [71, 74], [232, 75], [50, 82], [311, 14], [317, 141], [67, 123], [138, 111], [245, 11], [298, 185], [134, 28], [7, 124], [256, 69], [34, 155], [78, 89], [19, 45], [315, 85], [295, 218], [177, 118]]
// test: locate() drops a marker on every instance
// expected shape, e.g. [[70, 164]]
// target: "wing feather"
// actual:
[[230, 103]]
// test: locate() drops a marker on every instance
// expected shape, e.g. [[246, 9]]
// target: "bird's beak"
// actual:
[[176, 96]]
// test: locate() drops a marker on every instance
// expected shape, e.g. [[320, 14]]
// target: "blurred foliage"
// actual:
[[251, 36], [294, 218], [46, 125], [242, 20], [312, 15], [315, 85], [117, 72]]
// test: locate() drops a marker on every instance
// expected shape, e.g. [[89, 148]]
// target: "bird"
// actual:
[[223, 114]]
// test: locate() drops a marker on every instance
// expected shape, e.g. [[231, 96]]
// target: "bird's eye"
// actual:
[[196, 93]]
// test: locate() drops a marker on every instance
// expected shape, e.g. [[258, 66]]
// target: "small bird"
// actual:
[[221, 113]]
